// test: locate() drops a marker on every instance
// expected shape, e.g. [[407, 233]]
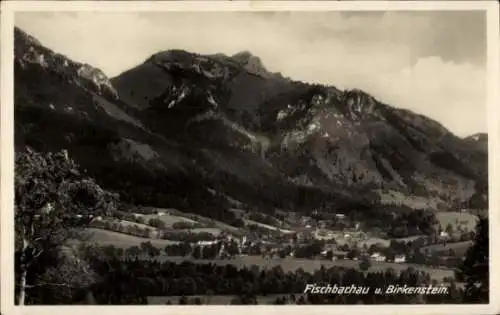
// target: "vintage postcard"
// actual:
[[203, 157]]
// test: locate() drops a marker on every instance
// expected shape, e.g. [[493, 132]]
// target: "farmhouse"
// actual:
[[378, 257], [206, 243], [339, 255], [444, 234], [400, 259]]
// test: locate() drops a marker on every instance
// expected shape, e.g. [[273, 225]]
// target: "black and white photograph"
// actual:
[[220, 156]]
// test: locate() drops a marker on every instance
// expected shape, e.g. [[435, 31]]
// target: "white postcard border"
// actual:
[[8, 9]]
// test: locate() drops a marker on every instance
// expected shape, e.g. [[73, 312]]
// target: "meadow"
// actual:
[[454, 218], [168, 219], [105, 237], [266, 226], [460, 248], [409, 238], [172, 216], [213, 231], [126, 223]]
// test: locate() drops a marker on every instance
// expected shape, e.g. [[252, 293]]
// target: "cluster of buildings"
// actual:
[[376, 256]]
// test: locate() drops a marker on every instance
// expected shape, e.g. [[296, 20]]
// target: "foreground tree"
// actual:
[[62, 283], [52, 198], [475, 269]]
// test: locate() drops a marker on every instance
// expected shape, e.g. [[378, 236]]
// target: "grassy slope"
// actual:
[[460, 248], [446, 218], [104, 237]]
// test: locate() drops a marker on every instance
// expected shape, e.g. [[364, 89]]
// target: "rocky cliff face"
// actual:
[[31, 53], [225, 123]]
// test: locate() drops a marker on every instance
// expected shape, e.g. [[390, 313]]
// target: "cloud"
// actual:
[[432, 63], [453, 94]]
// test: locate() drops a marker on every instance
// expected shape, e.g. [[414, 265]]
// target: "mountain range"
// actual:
[[205, 133]]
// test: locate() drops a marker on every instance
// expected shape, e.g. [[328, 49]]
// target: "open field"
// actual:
[[409, 238], [292, 264], [208, 222], [227, 228], [105, 237], [213, 231], [415, 202], [130, 223], [267, 226], [168, 219], [460, 248], [172, 216], [446, 218]]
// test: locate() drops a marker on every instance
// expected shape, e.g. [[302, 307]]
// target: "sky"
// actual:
[[433, 63]]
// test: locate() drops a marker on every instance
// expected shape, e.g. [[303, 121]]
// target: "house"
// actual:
[[160, 213], [206, 243], [339, 255], [444, 234], [340, 216], [378, 257], [400, 259]]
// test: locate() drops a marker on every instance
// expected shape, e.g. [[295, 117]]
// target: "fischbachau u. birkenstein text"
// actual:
[[389, 289]]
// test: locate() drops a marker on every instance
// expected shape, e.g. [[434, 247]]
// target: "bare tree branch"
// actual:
[[41, 284]]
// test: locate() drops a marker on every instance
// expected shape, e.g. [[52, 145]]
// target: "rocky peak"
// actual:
[[478, 137], [251, 63], [23, 39], [181, 64], [30, 52], [243, 57], [97, 78], [357, 104]]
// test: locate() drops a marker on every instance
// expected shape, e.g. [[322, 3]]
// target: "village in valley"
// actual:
[[169, 234]]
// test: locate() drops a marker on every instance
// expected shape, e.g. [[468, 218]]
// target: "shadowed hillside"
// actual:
[[180, 124]]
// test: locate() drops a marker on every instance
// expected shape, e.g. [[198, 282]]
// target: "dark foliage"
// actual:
[[475, 269]]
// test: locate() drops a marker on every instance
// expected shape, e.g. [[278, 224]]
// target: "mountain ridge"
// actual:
[[179, 123]]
